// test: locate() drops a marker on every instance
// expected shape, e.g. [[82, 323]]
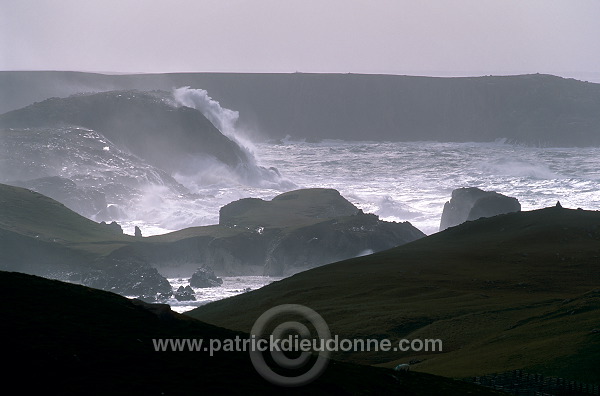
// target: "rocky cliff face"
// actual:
[[471, 203], [532, 109]]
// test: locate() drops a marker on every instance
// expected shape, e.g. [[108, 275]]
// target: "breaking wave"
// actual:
[[203, 171]]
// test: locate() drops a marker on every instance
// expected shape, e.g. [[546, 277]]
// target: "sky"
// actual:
[[420, 37]]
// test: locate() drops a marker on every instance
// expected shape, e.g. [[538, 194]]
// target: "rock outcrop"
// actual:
[[205, 277], [114, 227], [128, 277], [472, 203], [185, 294]]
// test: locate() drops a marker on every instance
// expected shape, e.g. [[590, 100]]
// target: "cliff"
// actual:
[[530, 109]]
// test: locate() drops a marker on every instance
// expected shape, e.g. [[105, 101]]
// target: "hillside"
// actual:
[[515, 291], [76, 340], [318, 226], [531, 109]]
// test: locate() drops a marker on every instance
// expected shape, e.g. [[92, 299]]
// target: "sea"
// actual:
[[398, 181]]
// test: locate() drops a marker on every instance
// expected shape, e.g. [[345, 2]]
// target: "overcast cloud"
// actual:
[[458, 37]]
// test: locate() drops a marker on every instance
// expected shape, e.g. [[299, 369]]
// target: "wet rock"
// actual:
[[185, 294], [473, 203], [205, 277], [125, 276], [114, 227]]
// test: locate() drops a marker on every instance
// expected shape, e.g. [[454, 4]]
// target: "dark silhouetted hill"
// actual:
[[73, 340], [514, 291]]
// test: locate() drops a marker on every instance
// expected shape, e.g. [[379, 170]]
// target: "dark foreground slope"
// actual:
[[532, 109], [515, 291], [82, 341]]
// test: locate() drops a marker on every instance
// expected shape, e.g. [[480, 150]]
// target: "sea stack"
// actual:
[[471, 203]]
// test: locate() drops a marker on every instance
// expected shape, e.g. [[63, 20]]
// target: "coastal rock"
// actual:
[[472, 203], [138, 232], [114, 227], [162, 311], [205, 277], [335, 240], [128, 277], [185, 294]]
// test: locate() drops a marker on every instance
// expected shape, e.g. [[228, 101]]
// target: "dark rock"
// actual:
[[114, 227], [185, 294], [558, 205], [472, 203], [138, 232], [163, 311], [128, 277], [334, 240], [492, 205], [205, 277], [160, 297]]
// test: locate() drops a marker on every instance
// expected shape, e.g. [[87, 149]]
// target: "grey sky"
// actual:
[[443, 37]]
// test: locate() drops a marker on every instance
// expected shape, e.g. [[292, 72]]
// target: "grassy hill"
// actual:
[[516, 291], [72, 340], [28, 213]]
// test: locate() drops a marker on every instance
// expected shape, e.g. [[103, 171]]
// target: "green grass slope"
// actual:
[[516, 291], [72, 340], [31, 214]]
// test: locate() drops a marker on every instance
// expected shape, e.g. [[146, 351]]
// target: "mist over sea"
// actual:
[[397, 181]]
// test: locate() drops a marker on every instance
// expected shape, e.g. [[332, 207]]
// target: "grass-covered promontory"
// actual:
[[296, 230], [515, 291]]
